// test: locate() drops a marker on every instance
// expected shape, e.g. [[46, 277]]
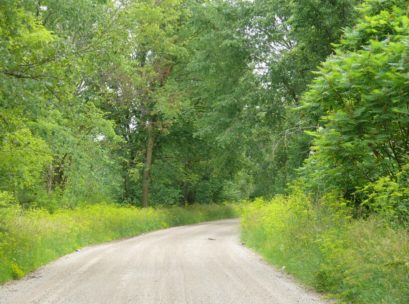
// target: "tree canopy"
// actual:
[[178, 101]]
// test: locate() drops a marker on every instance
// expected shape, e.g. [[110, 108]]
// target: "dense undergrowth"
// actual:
[[356, 261], [29, 239]]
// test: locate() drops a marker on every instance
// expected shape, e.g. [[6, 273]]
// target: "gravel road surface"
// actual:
[[197, 264]]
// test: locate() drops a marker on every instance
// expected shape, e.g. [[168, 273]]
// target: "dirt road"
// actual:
[[198, 264]]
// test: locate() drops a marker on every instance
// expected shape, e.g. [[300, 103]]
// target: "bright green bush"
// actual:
[[29, 239], [360, 94], [389, 197], [356, 261]]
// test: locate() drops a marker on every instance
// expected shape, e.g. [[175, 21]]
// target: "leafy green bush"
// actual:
[[29, 239], [356, 261], [361, 94]]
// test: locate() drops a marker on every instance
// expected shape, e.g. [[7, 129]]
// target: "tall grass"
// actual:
[[356, 261], [29, 239]]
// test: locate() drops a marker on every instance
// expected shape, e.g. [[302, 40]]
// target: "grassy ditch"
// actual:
[[30, 239], [355, 261]]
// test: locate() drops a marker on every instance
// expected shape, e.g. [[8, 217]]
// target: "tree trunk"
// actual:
[[148, 166], [50, 178]]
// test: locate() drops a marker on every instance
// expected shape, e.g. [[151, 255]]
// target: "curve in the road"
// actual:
[[197, 264]]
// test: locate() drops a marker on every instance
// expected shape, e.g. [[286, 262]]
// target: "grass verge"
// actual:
[[355, 261], [30, 239]]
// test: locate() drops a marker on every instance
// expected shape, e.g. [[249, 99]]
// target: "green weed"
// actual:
[[356, 261]]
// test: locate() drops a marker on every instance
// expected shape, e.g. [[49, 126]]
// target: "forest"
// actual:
[[299, 109]]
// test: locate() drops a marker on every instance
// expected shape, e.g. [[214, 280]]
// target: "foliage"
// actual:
[[356, 261], [22, 158], [165, 100], [54, 141], [6, 199], [234, 90], [361, 93], [288, 40], [389, 197]]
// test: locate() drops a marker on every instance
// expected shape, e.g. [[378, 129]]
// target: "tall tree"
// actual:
[[361, 95]]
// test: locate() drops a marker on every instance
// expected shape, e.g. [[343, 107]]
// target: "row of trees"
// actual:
[[179, 101]]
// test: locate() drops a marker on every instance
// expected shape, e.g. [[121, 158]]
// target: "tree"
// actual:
[[43, 95], [361, 94]]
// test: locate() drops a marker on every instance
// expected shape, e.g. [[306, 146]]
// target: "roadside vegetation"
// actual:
[[343, 227], [30, 239], [358, 261]]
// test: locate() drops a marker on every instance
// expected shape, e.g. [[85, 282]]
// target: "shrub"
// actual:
[[357, 261]]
